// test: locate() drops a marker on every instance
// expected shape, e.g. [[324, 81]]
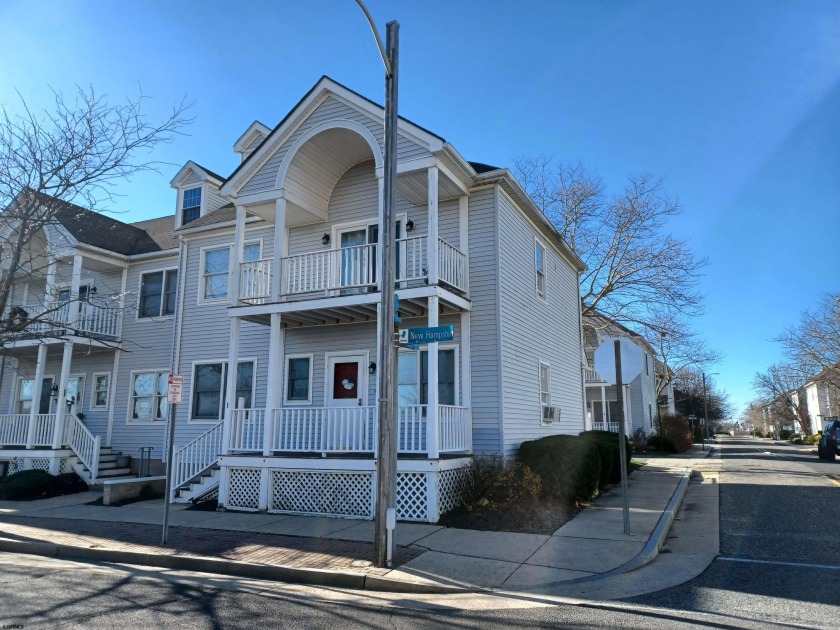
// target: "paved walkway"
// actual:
[[588, 547]]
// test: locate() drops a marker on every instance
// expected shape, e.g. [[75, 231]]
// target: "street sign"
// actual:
[[632, 360], [175, 388], [397, 318], [415, 336]]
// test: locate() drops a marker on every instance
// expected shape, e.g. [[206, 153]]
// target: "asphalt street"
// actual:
[[779, 565]]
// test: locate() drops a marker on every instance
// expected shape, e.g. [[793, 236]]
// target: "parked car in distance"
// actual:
[[827, 447]]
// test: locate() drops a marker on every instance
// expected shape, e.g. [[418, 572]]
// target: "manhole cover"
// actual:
[[361, 564]]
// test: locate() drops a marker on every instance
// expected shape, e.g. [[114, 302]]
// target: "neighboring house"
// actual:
[[823, 404], [278, 276], [639, 392]]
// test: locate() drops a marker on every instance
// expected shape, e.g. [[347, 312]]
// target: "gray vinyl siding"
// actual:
[[214, 200], [484, 338], [147, 346], [193, 180], [533, 330], [331, 108], [205, 335]]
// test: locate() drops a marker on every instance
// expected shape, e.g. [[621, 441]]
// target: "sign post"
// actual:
[[174, 393], [622, 442]]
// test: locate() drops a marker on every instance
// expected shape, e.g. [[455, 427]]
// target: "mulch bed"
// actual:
[[545, 518]]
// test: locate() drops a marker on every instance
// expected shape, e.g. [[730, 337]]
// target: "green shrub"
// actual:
[[784, 434], [676, 427], [494, 483], [699, 434], [664, 444], [68, 483], [768, 434], [26, 484], [569, 466], [811, 439], [609, 451], [795, 439]]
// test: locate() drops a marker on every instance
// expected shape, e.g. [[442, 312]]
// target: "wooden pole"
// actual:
[[622, 442]]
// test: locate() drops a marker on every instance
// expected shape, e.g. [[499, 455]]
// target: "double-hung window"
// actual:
[[413, 377], [545, 384], [539, 267], [191, 205], [157, 293], [216, 269], [148, 396], [209, 389], [299, 379], [101, 390]]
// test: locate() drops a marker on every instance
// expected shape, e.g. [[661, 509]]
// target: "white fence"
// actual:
[[83, 443], [13, 429], [194, 458]]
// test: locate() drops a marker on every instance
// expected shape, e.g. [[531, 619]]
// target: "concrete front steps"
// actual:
[[107, 467], [198, 486]]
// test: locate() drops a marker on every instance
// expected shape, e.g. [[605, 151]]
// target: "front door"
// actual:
[[346, 380]]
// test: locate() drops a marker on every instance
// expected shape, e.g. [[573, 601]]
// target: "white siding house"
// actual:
[[278, 268]]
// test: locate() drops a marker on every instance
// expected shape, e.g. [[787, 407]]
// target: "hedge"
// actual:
[[610, 451], [569, 466], [26, 484]]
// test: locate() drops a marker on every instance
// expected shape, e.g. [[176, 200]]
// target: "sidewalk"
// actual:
[[429, 558]]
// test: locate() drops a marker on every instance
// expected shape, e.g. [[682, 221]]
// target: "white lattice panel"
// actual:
[[15, 464], [326, 493], [212, 495], [451, 488], [412, 491], [41, 463], [65, 466], [243, 488]]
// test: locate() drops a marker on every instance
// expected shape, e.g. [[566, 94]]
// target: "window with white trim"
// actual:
[[539, 268], [158, 290], [101, 390], [545, 384], [299, 378], [148, 396], [25, 388], [210, 388], [413, 377], [191, 205], [215, 269]]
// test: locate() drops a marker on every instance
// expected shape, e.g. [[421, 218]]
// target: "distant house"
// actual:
[[263, 293], [639, 392]]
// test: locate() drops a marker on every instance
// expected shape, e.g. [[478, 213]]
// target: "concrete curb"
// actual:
[[278, 573]]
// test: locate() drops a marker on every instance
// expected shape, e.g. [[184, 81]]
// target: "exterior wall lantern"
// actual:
[[372, 367], [325, 239], [409, 225]]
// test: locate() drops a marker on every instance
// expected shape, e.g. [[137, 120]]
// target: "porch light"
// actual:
[[54, 391], [409, 225], [325, 239], [92, 290], [372, 367]]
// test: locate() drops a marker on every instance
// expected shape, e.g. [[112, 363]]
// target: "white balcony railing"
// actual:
[[13, 429], [350, 269], [344, 429], [609, 426], [72, 317], [255, 279]]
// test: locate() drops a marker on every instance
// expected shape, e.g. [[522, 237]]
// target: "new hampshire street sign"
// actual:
[[416, 336]]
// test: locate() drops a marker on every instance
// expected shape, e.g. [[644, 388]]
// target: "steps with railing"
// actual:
[[85, 445], [192, 460]]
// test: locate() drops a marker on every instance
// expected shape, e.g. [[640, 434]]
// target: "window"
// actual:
[[413, 378], [209, 384], [191, 206], [545, 384], [157, 293], [539, 266], [148, 396], [24, 397], [215, 269], [101, 390], [299, 379]]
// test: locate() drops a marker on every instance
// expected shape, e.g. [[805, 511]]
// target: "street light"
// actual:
[[386, 469]]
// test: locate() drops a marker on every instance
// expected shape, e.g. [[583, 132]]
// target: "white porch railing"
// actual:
[[194, 458], [73, 316], [246, 430], [255, 279], [13, 429], [412, 254], [84, 444], [454, 429], [44, 430], [609, 426], [590, 375], [452, 265], [411, 429], [343, 268], [323, 429]]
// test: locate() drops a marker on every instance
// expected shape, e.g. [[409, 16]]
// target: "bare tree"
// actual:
[[813, 345], [73, 153], [635, 267], [782, 389], [689, 396]]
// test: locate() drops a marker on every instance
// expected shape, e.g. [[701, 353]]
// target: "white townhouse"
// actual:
[[640, 398], [277, 274]]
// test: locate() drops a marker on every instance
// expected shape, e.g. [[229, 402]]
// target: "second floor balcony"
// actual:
[[352, 269], [60, 319]]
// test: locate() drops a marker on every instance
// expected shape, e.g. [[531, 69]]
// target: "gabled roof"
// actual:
[[160, 231], [255, 129], [203, 173], [325, 84], [220, 215], [599, 321]]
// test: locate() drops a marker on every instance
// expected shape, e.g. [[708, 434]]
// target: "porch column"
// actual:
[[466, 372], [61, 410], [230, 385], [380, 213], [604, 406], [432, 438], [281, 248], [432, 255], [49, 289], [276, 367], [36, 393], [73, 313], [112, 396], [236, 256], [464, 236]]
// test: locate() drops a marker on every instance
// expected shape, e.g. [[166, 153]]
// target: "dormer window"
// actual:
[[191, 205]]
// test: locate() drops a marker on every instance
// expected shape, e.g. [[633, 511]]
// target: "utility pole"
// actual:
[[706, 409], [622, 441]]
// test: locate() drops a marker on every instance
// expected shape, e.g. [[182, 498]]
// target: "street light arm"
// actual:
[[378, 39]]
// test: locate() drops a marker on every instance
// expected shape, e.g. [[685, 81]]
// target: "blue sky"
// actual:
[[734, 103]]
